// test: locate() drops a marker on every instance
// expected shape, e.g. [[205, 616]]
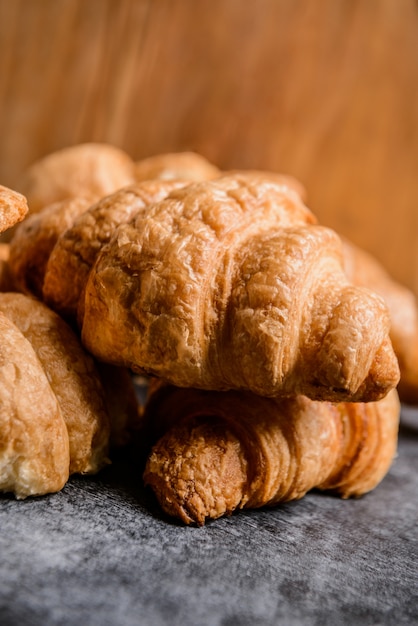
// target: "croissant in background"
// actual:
[[176, 165], [363, 269], [230, 284], [217, 452], [88, 170]]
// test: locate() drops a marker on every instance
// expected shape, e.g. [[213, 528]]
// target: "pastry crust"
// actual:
[[230, 284], [35, 238], [72, 376], [363, 269], [173, 165], [88, 170], [34, 448], [13, 208], [219, 452], [78, 246]]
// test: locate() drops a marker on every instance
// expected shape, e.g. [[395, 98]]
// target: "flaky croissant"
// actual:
[[363, 269], [230, 284], [217, 452]]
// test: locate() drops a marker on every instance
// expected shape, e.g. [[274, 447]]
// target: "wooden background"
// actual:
[[326, 90]]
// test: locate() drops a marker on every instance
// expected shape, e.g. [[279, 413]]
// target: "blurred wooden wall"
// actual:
[[326, 90]]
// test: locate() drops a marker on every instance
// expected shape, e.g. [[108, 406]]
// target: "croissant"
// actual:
[[217, 452], [34, 446], [75, 250], [230, 284], [176, 165], [363, 269], [88, 169], [34, 240], [13, 208], [72, 376]]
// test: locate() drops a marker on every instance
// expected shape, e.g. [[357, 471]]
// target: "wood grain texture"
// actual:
[[326, 90]]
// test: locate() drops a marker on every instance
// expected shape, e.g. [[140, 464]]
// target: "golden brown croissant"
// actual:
[[13, 208], [222, 451], [34, 445], [72, 376], [88, 169], [77, 247], [174, 165], [363, 269], [34, 239], [231, 284]]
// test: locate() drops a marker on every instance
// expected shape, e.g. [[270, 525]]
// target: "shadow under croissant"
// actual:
[[219, 452]]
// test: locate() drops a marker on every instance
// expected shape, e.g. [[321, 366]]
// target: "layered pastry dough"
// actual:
[[219, 452], [230, 284], [35, 238]]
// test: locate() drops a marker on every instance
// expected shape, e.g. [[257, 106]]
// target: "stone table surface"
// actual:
[[100, 552]]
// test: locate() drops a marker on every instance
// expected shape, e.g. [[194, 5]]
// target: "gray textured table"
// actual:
[[101, 553]]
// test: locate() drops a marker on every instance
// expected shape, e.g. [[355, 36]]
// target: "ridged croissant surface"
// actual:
[[223, 451], [77, 247], [230, 284]]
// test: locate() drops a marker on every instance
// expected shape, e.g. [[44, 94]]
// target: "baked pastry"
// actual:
[[34, 446], [72, 376], [173, 165], [35, 238], [217, 452], [363, 269], [76, 249], [13, 208], [88, 170], [230, 284]]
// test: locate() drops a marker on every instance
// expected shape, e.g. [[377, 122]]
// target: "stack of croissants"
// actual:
[[275, 353]]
